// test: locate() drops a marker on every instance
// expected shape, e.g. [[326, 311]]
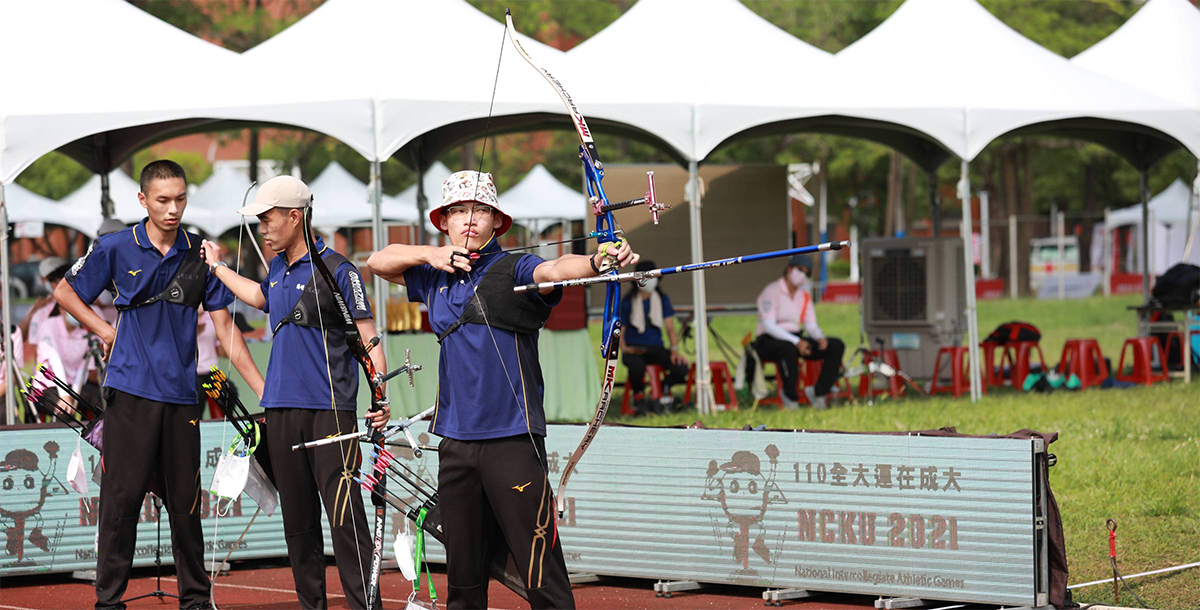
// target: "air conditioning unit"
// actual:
[[914, 298]]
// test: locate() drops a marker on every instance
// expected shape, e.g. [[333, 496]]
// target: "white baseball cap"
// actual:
[[279, 192]]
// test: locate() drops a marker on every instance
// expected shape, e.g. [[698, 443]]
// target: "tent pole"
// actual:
[[379, 241], [10, 407], [964, 193], [935, 209], [100, 148], [822, 228], [1013, 291], [1108, 253], [985, 236], [1145, 238], [106, 207], [422, 236], [699, 298], [1060, 232]]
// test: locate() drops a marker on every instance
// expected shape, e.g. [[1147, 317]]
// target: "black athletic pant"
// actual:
[[308, 479], [144, 438], [657, 354], [496, 492], [787, 357]]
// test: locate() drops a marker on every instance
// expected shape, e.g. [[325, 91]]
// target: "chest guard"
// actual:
[[502, 307], [187, 286], [305, 311]]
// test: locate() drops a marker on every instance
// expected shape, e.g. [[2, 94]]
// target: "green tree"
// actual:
[[54, 175]]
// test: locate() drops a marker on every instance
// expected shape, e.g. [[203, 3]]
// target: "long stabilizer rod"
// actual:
[[640, 276]]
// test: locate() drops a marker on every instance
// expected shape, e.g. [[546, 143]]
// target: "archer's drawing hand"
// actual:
[[450, 259]]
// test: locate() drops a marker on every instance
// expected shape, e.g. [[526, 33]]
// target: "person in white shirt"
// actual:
[[787, 331]]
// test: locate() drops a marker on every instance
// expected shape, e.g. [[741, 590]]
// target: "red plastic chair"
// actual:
[[866, 385], [1082, 358], [722, 382], [1143, 350], [960, 378], [655, 373]]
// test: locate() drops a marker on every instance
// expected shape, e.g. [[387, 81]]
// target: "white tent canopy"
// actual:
[[717, 58], [25, 205], [1157, 49], [989, 81], [38, 113], [400, 100]]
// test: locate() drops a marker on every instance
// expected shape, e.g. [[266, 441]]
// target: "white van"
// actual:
[[1044, 263]]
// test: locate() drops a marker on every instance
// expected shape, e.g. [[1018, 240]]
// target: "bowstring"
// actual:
[[306, 218], [470, 280]]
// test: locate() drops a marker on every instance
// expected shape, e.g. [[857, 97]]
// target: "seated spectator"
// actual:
[[787, 331], [645, 312]]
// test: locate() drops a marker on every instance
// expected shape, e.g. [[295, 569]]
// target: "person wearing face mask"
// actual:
[[645, 312], [787, 331], [51, 269]]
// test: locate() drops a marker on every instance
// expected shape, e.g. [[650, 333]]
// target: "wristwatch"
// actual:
[[213, 267]]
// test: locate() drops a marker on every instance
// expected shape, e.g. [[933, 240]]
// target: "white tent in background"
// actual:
[[213, 207], [1169, 207], [85, 200], [405, 203], [339, 199], [541, 196], [25, 205], [1169, 215]]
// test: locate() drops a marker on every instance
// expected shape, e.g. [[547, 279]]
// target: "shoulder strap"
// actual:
[[305, 311], [187, 286], [501, 306]]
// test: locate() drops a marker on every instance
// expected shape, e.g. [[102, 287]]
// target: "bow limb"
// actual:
[[606, 231], [361, 354]]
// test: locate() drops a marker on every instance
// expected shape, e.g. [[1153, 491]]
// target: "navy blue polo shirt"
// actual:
[[653, 337], [297, 376], [154, 355], [489, 383]]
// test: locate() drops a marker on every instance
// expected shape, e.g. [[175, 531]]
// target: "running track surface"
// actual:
[[270, 588]]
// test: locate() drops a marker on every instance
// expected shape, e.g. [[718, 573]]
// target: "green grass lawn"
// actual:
[[1130, 455], [1104, 319]]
